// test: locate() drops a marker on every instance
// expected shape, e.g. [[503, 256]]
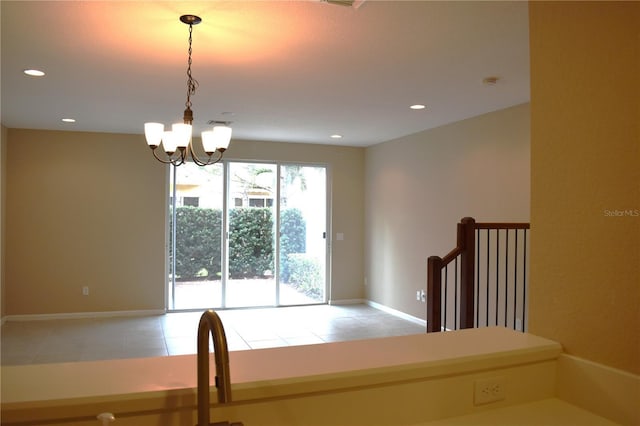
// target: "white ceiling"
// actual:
[[290, 71]]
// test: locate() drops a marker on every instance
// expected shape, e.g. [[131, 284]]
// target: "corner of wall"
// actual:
[[3, 159], [600, 389]]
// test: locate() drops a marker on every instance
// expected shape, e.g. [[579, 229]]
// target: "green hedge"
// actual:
[[306, 276], [198, 243], [251, 243], [293, 239]]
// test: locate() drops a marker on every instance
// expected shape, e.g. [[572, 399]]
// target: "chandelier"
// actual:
[[175, 146]]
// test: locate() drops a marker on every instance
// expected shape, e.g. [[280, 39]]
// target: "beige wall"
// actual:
[[89, 209], [418, 187], [83, 209], [585, 117]]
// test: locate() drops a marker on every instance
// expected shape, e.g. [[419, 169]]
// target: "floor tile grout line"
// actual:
[[333, 321]]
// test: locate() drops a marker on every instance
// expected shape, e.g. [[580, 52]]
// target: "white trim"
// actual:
[[80, 315], [347, 302], [397, 313]]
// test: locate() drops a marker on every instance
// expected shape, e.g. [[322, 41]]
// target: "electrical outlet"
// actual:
[[489, 390], [85, 290]]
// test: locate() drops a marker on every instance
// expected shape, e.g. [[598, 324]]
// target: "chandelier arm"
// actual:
[[182, 158], [217, 160], [166, 160], [194, 157], [169, 159], [208, 161]]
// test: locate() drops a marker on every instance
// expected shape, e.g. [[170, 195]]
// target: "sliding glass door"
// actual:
[[303, 227], [273, 218], [251, 240], [195, 236]]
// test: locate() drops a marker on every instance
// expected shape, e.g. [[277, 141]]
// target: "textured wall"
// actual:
[[418, 187], [585, 193]]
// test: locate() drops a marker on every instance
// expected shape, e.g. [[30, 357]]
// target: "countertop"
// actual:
[[155, 383]]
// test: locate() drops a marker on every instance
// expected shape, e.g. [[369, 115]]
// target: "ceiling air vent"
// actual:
[[349, 3]]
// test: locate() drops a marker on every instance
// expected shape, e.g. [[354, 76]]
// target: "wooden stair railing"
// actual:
[[481, 283]]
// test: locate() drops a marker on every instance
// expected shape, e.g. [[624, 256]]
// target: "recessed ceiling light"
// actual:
[[417, 106], [34, 73], [336, 136], [69, 120]]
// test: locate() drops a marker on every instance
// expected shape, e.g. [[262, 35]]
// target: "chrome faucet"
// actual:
[[210, 323]]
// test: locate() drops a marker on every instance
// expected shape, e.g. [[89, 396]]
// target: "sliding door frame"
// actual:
[[169, 287]]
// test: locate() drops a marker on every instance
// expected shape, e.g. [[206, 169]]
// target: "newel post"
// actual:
[[434, 294], [467, 240]]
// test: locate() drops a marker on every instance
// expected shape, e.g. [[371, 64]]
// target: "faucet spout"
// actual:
[[210, 323]]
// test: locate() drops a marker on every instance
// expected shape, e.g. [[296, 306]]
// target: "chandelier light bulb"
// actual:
[[216, 139], [182, 134], [169, 142], [223, 136], [153, 133], [208, 141]]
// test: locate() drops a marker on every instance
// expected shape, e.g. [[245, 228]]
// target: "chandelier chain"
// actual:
[[192, 84]]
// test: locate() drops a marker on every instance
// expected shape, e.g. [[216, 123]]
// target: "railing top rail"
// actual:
[[501, 225], [470, 222], [451, 255]]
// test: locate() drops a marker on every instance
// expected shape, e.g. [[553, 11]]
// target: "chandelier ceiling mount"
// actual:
[[190, 19]]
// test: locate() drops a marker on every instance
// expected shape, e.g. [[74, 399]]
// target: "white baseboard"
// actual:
[[381, 307], [347, 302], [397, 313], [81, 315]]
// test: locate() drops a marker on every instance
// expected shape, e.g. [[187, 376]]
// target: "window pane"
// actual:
[[251, 236], [195, 267], [303, 247]]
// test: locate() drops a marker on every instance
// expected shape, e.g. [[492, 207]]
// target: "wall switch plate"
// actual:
[[418, 295], [489, 390], [85, 290]]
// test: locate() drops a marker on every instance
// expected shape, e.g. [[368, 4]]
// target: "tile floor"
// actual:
[[73, 340]]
